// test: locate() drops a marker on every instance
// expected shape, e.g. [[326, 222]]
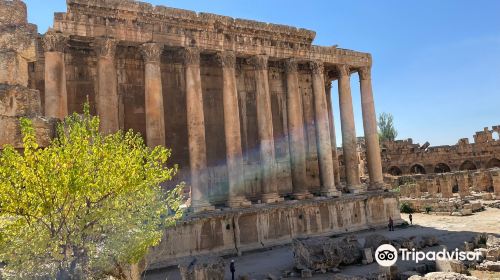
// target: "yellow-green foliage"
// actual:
[[85, 205]]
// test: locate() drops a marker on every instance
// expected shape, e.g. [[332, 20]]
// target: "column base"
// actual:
[[271, 198], [357, 189], [376, 187], [331, 193], [302, 195], [238, 202], [201, 206]]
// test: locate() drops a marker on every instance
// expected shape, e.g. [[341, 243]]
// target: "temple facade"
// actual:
[[244, 105]]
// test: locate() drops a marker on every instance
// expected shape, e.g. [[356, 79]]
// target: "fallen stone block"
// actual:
[[306, 273], [368, 255], [447, 265], [203, 269], [407, 274], [489, 266]]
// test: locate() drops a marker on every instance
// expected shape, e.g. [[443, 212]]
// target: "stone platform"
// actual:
[[261, 226]]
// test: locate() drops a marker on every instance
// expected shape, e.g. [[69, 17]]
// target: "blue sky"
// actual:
[[436, 63]]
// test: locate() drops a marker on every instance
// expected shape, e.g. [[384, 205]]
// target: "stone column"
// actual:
[[265, 127], [155, 123], [296, 131], [56, 97], [234, 158], [349, 143], [323, 142], [107, 81], [196, 131], [370, 127], [333, 137]]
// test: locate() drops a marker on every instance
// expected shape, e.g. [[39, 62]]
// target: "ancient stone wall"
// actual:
[[17, 50], [404, 157], [230, 232], [462, 184]]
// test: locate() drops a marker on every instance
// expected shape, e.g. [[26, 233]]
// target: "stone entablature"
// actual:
[[133, 22]]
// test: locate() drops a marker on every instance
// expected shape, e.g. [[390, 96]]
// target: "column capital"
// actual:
[[226, 59], [317, 67], [191, 56], [365, 73], [54, 41], [151, 52], [259, 62], [291, 65], [344, 70], [105, 47]]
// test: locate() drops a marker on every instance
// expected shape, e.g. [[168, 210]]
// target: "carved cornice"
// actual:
[[259, 62], [105, 47], [365, 73], [151, 52], [226, 59], [191, 56], [54, 41], [343, 70], [317, 67], [291, 65]]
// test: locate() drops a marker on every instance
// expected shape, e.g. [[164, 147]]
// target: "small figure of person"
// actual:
[[391, 224], [411, 219], [232, 269]]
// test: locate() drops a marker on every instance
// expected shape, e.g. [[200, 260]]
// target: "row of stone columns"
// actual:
[[107, 108]]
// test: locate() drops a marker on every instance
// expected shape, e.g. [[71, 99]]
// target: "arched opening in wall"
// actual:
[[417, 169], [496, 135], [442, 168], [493, 163], [490, 189], [468, 165], [454, 189], [395, 171]]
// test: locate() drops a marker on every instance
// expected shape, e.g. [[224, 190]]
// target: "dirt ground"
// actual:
[[451, 231]]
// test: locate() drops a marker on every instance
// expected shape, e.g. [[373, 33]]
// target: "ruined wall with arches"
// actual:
[[451, 184], [403, 157]]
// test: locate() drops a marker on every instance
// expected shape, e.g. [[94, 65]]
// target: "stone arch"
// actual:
[[395, 171], [442, 168], [496, 135], [417, 169], [454, 189], [468, 165], [494, 162]]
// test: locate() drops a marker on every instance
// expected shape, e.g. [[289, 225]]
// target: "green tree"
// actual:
[[386, 130], [87, 206]]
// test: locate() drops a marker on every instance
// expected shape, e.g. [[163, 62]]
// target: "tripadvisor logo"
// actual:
[[387, 255]]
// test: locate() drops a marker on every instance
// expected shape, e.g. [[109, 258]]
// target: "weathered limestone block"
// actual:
[[495, 178], [450, 265], [323, 253], [203, 269], [10, 131], [13, 12], [375, 240], [489, 266], [16, 101], [13, 68], [20, 39]]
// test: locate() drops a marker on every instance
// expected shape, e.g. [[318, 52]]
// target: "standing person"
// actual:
[[411, 219], [232, 269], [391, 224]]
